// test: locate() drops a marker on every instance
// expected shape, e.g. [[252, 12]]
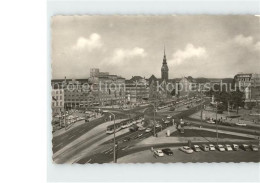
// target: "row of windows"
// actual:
[[244, 79], [104, 99], [58, 92], [57, 104], [58, 97]]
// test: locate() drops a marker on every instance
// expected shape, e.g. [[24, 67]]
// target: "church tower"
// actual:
[[164, 69]]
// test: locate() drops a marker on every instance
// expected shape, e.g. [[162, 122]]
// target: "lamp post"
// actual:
[[201, 109], [154, 119], [217, 121], [114, 134]]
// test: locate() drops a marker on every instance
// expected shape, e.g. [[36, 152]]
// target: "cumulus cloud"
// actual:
[[257, 46], [91, 43], [189, 52], [243, 41], [119, 54], [248, 42]]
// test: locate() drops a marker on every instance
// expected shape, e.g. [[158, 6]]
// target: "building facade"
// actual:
[[111, 90], [57, 101], [187, 87], [243, 80], [137, 90], [94, 72], [250, 85]]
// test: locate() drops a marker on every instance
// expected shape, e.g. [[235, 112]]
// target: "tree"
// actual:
[[237, 99]]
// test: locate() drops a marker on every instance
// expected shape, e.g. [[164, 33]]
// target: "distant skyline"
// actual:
[[196, 45]]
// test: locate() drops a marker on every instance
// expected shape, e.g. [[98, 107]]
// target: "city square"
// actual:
[[143, 112]]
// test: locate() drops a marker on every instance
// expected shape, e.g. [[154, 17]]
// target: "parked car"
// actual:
[[254, 147], [210, 122], [133, 128], [167, 122], [186, 149], [196, 148], [220, 147], [204, 147], [235, 147], [212, 147], [228, 147], [139, 135], [127, 139], [240, 124], [158, 125], [167, 151], [245, 147], [148, 130], [158, 153], [181, 130], [141, 128]]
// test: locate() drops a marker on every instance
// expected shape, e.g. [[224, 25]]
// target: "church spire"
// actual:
[[164, 69], [164, 50], [164, 56]]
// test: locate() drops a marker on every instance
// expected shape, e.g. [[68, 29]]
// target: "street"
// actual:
[[127, 140]]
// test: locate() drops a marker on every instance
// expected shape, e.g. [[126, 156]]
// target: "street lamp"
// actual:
[[114, 133], [217, 121], [154, 119], [201, 112]]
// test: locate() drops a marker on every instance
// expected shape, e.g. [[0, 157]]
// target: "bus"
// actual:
[[126, 123], [110, 128]]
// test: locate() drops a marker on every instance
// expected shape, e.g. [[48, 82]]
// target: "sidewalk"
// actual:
[[78, 123], [224, 132], [163, 132], [172, 140], [162, 139], [209, 114]]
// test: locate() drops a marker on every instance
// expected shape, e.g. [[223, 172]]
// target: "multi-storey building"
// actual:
[[187, 87], [111, 90], [94, 72], [107, 89], [137, 90], [57, 101], [242, 80], [76, 92], [99, 89], [250, 85]]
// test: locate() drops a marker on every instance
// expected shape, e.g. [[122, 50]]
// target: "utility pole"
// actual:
[[65, 125], [114, 144], [228, 109], [154, 108], [60, 118], [201, 112], [216, 120]]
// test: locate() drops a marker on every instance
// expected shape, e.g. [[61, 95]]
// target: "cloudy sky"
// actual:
[[198, 46]]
